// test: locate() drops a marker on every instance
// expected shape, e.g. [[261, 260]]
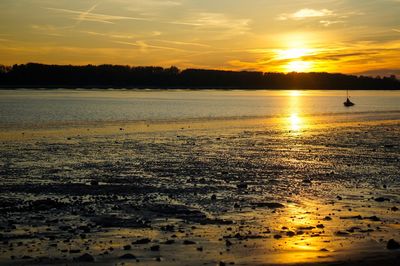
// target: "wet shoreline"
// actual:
[[241, 193]]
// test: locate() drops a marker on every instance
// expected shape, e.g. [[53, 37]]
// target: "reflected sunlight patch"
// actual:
[[295, 122], [295, 93]]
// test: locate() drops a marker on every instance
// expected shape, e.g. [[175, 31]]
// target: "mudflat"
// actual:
[[249, 191]]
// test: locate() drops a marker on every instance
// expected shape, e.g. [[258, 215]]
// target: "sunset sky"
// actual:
[[349, 36]]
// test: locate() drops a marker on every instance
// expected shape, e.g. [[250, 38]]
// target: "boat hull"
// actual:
[[348, 104]]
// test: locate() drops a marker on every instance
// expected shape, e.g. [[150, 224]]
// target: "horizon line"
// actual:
[[208, 69]]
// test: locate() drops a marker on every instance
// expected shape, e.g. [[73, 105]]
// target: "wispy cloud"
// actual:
[[122, 35], [84, 15], [148, 8], [219, 20], [205, 21], [306, 13], [215, 21], [184, 43], [150, 3], [328, 23], [4, 38], [111, 35], [49, 29], [88, 15], [325, 17], [144, 46]]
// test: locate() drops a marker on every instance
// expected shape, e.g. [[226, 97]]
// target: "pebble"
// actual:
[[85, 258], [392, 244], [128, 256], [290, 233], [188, 242], [155, 248], [75, 251], [141, 241], [381, 199], [242, 186]]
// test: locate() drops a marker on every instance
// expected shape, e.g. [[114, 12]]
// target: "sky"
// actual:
[[347, 36]]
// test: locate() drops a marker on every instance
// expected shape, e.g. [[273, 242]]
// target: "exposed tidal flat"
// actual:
[[285, 178]]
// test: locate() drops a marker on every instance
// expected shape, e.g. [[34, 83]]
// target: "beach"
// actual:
[[295, 188], [199, 133]]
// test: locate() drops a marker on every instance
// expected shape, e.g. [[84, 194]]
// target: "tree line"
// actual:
[[33, 75]]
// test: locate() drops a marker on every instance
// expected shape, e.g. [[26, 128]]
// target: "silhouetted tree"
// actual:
[[103, 76]]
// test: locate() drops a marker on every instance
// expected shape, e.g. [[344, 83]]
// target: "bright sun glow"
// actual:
[[293, 53], [294, 58], [298, 66]]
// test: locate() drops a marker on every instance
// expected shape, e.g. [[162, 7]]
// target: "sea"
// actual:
[[26, 106]]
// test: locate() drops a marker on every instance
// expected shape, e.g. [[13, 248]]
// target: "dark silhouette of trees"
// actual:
[[103, 76]]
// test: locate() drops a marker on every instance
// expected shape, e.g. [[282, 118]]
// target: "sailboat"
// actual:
[[348, 103]]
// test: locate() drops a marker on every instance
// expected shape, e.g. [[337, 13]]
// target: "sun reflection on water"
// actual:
[[296, 122], [295, 93], [308, 243]]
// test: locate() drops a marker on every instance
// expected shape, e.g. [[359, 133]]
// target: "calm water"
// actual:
[[32, 106]]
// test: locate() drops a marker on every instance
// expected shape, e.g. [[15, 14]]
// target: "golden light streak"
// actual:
[[296, 122], [295, 93]]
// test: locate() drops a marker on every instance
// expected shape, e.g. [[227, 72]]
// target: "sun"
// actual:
[[292, 53], [298, 66], [293, 59]]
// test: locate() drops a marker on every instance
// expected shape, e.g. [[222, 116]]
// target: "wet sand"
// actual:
[[245, 191]]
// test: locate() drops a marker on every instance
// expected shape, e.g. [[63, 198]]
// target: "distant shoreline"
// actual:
[[188, 88], [40, 76]]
